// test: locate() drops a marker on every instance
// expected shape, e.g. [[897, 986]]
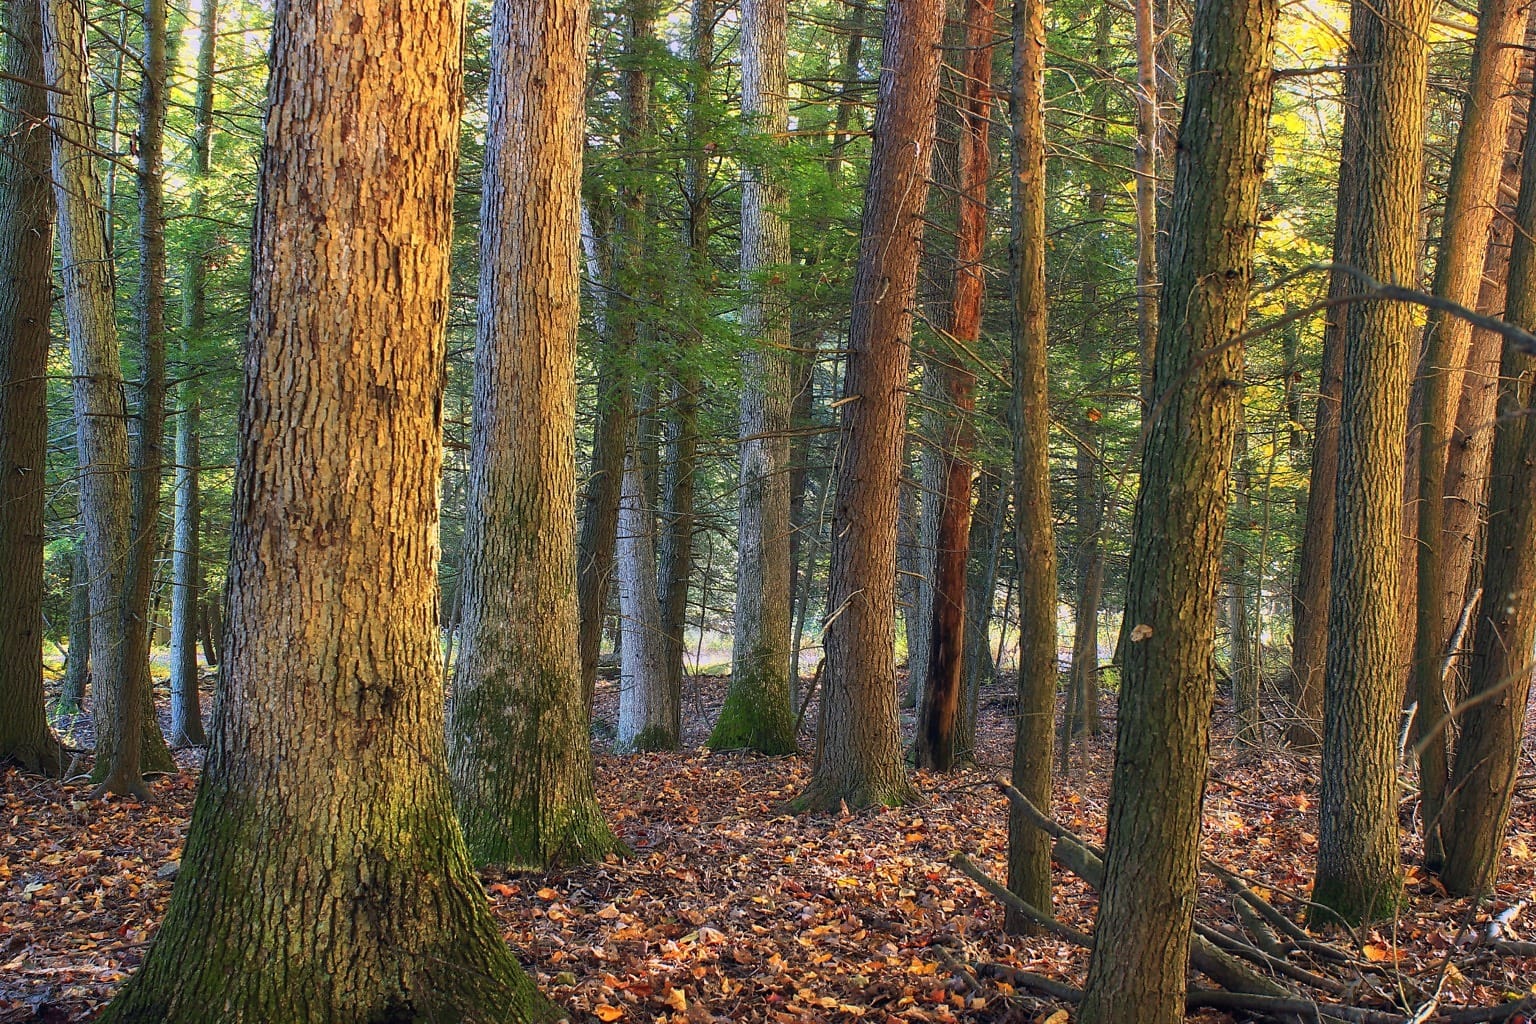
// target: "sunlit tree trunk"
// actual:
[[26, 269], [324, 877], [1469, 208], [858, 747], [519, 750], [650, 711], [1358, 874], [1137, 971], [757, 714], [1488, 754], [1029, 850]]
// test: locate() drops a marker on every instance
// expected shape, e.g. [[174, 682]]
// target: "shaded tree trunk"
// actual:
[[1488, 754], [944, 688], [1358, 874], [757, 712], [650, 711], [1029, 849], [26, 269], [1469, 207], [1137, 971], [1309, 604], [100, 405], [77, 663], [186, 595], [858, 745], [1245, 669], [622, 315], [981, 584], [326, 778], [518, 747], [679, 482]]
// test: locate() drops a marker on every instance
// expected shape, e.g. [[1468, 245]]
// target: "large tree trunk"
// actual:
[[1029, 850], [945, 683], [26, 268], [186, 595], [1470, 201], [100, 405], [1314, 562], [1137, 972], [518, 747], [1358, 874], [858, 744], [324, 877], [757, 714], [1488, 754]]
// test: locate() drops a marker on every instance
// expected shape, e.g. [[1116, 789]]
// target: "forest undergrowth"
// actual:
[[730, 908]]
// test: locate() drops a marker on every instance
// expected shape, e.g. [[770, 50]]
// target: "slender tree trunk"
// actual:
[[1358, 873], [1245, 668], [945, 684], [324, 877], [679, 483], [77, 663], [1488, 754], [1309, 606], [518, 748], [100, 404], [1469, 462], [1029, 850], [211, 624], [148, 448], [186, 596], [1137, 972], [1148, 116], [858, 745], [26, 269], [757, 712], [650, 712], [1469, 207], [981, 586], [623, 315]]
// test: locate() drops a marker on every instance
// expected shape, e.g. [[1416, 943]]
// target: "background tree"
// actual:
[[518, 743]]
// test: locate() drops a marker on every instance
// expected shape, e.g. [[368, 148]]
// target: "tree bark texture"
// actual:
[[26, 282], [1358, 873], [518, 746], [77, 663], [324, 877], [757, 713], [1470, 202], [858, 745], [1034, 539], [944, 688], [100, 402], [1245, 668], [1488, 754], [1137, 971]]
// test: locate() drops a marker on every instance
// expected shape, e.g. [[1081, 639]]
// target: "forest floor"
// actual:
[[733, 909]]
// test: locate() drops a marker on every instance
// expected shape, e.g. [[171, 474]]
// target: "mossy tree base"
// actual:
[[756, 715]]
